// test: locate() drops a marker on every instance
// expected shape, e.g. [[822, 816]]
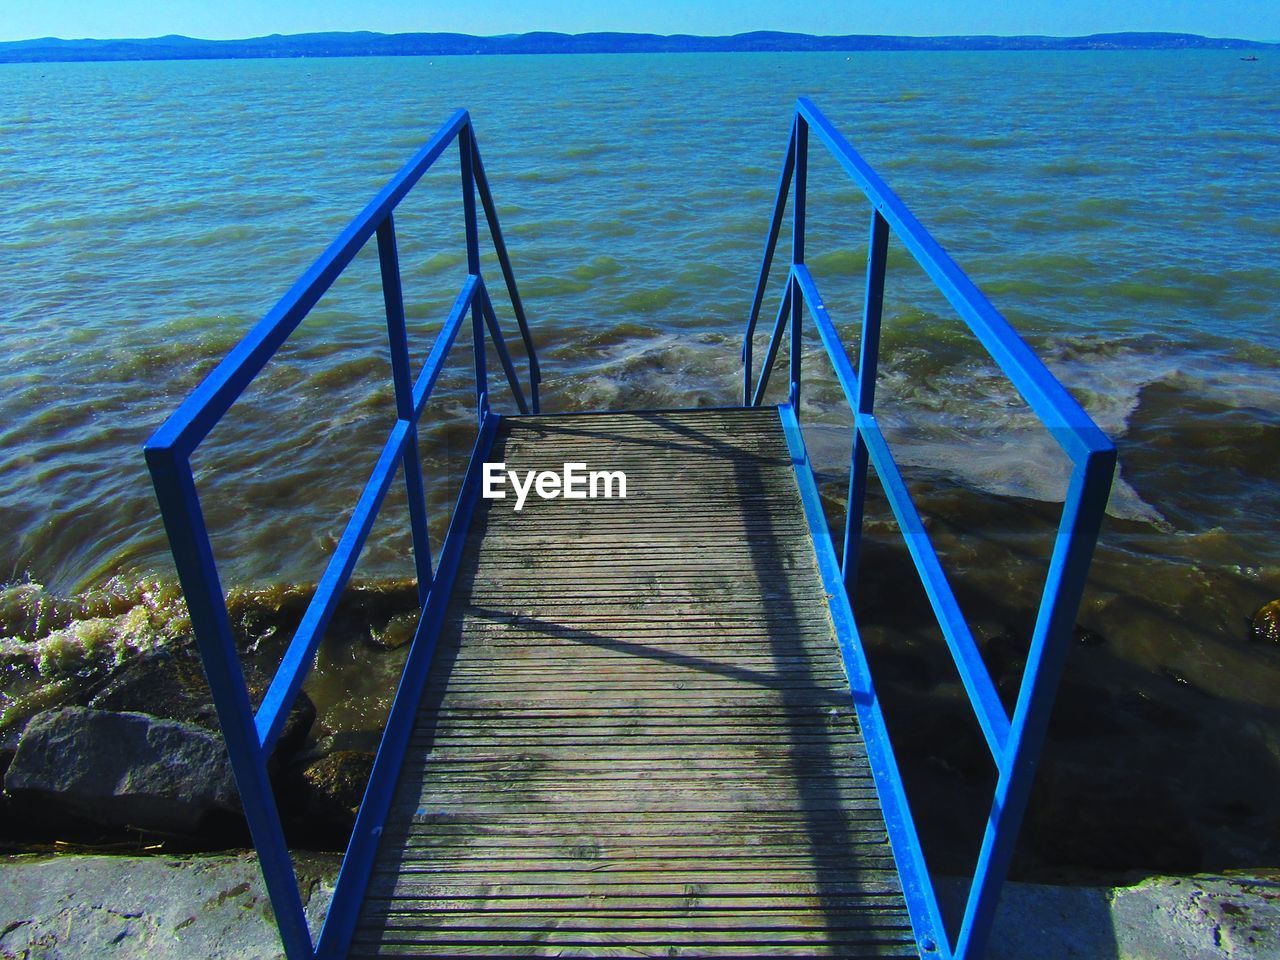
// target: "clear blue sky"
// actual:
[[219, 19]]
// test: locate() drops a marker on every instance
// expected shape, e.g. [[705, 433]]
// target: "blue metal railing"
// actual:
[[251, 735], [1015, 742]]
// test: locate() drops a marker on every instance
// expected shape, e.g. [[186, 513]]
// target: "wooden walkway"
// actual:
[[637, 739]]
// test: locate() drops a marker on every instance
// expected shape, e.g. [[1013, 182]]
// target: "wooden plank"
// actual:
[[637, 738], [598, 952]]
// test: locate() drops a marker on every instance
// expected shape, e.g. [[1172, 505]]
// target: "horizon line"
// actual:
[[662, 36], [368, 43]]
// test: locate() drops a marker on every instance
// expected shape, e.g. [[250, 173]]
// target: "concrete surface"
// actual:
[[1161, 918], [76, 907]]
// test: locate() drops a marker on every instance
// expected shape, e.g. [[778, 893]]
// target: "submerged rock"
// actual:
[[1081, 711], [262, 618], [1088, 638], [1110, 819], [333, 787], [171, 683], [9, 739], [165, 683], [320, 789], [1265, 622], [398, 631], [122, 769]]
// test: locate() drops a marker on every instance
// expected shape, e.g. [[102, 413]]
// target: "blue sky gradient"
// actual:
[[25, 19]]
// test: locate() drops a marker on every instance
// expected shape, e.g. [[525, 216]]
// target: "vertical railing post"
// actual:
[[1073, 549], [797, 254], [504, 261], [398, 337], [868, 361], [465, 151], [201, 587], [766, 262]]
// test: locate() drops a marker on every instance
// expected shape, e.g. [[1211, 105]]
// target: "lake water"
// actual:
[[1123, 210]]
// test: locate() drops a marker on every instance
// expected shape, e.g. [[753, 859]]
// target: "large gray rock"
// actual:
[[170, 682], [122, 769]]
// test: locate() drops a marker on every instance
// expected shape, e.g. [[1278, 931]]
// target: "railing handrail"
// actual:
[[1014, 742], [1038, 386], [1042, 391], [251, 735], [183, 430], [977, 682]]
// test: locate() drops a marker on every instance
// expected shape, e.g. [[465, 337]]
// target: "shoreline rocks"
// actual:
[[122, 770], [142, 753], [1138, 772], [171, 683], [130, 654]]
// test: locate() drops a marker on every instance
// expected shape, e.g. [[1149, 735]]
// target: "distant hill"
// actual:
[[365, 44]]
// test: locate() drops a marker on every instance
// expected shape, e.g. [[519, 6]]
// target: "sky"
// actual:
[[223, 19]]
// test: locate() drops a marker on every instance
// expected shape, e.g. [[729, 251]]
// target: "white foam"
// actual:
[[967, 423]]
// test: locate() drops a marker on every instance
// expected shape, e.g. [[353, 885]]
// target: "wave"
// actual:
[[611, 228], [651, 300], [345, 373], [946, 408], [846, 262], [596, 267], [227, 234], [1073, 167], [549, 286], [549, 176], [585, 150], [56, 650], [440, 262]]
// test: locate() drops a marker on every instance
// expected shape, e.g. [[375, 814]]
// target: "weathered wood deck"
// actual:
[[637, 739]]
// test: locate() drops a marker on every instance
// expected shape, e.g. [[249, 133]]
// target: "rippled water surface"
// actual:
[[1123, 210]]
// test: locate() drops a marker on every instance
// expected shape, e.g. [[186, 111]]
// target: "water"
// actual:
[[1123, 210]]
